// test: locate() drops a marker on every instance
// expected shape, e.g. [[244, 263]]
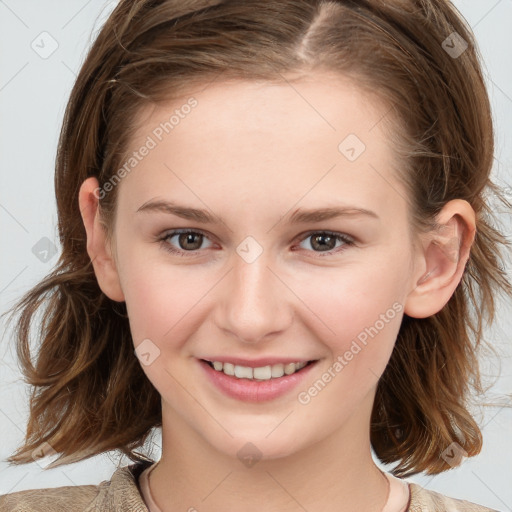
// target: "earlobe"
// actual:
[[444, 255], [98, 247]]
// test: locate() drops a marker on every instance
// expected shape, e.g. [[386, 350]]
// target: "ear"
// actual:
[[442, 258], [98, 247]]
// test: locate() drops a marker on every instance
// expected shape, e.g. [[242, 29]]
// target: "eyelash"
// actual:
[[348, 241]]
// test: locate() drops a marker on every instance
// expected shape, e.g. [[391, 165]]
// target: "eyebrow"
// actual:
[[299, 216]]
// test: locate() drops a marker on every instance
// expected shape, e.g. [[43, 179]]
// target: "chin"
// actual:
[[253, 447]]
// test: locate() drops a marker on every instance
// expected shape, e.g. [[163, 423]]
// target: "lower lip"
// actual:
[[255, 390]]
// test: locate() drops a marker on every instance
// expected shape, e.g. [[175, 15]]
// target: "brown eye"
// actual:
[[190, 241], [325, 242], [187, 242]]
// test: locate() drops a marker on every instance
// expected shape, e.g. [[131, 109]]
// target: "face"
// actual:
[[258, 282]]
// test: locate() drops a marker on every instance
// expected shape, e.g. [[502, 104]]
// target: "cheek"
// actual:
[[363, 313], [164, 301], [155, 298], [345, 303]]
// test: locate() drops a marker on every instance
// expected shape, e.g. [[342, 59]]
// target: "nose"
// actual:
[[254, 303]]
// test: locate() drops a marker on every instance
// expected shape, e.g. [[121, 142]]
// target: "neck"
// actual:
[[337, 473]]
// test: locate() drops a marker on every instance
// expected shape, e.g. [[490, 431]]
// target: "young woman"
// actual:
[[277, 247]]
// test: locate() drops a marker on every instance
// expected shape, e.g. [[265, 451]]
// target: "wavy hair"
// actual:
[[89, 393]]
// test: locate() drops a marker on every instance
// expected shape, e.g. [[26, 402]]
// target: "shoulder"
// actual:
[[121, 492], [424, 500], [54, 499]]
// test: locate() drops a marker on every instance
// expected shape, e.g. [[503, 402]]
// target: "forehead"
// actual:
[[324, 103], [320, 137]]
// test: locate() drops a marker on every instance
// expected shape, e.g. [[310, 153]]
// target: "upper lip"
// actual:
[[256, 363]]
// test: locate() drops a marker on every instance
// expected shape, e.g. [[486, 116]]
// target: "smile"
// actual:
[[268, 372]]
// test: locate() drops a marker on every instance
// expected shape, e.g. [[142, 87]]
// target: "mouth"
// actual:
[[257, 383], [260, 373]]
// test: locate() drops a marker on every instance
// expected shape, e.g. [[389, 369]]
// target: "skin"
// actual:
[[253, 153]]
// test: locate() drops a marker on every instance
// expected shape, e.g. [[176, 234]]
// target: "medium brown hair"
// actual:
[[90, 394]]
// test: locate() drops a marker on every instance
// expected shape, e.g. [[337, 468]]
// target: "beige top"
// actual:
[[122, 493], [397, 501]]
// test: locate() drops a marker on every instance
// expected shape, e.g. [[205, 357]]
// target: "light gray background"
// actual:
[[33, 94]]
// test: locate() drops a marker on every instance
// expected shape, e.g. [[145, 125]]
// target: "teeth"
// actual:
[[262, 373], [229, 369]]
